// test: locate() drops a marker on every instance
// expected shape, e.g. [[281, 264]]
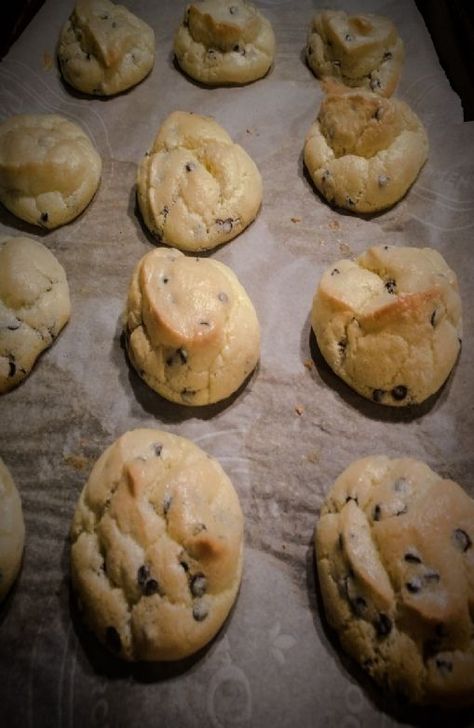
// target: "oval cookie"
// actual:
[[157, 540]]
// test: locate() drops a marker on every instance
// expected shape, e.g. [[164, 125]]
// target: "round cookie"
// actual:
[[362, 51], [191, 330], [104, 49], [197, 189], [363, 152], [395, 556], [12, 531], [49, 170], [390, 323], [224, 42], [157, 544], [34, 306]]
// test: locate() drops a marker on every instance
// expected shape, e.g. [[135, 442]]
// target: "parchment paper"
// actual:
[[275, 663]]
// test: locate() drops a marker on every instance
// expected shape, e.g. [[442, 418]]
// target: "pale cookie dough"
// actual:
[[157, 544], [363, 152], [197, 189], [12, 531], [105, 49], [49, 170], [191, 330], [390, 323], [362, 51], [395, 556], [34, 306], [223, 42]]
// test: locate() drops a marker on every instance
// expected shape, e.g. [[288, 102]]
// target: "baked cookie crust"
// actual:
[[12, 531], [157, 544]]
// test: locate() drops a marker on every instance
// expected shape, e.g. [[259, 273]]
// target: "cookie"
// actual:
[[197, 189], [104, 49], [364, 152], [191, 330], [390, 323], [49, 169], [12, 531], [157, 544], [395, 556], [363, 51], [34, 306], [224, 42]]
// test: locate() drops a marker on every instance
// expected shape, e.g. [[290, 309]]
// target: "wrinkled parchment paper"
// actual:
[[275, 663]]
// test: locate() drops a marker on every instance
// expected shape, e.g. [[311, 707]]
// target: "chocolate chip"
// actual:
[[151, 587], [200, 611], [461, 540], [44, 217], [433, 319], [444, 666], [211, 52], [204, 323], [88, 56], [342, 346], [375, 83], [167, 503], [14, 327], [233, 10], [378, 394], [223, 297], [383, 180], [377, 512], [352, 498], [383, 625], [184, 565], [335, 271], [198, 585], [391, 286], [165, 280], [341, 541], [142, 575], [310, 51], [325, 175], [157, 448], [104, 17], [412, 558], [414, 586], [349, 37], [11, 368], [387, 56], [399, 392], [350, 201], [226, 224], [239, 49], [112, 639], [189, 166]]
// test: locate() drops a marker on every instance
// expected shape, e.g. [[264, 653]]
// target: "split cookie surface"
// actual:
[[363, 152], [191, 330], [363, 51], [34, 306], [395, 556], [390, 323], [157, 544], [197, 189], [105, 49], [49, 169], [224, 41]]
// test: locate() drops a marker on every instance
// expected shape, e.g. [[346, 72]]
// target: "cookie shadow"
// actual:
[[10, 220], [169, 412], [322, 372], [395, 706], [173, 63], [83, 96]]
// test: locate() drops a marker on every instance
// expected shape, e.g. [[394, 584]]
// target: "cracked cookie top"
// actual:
[[363, 152], [49, 169], [34, 306], [196, 188], [224, 41], [157, 543], [390, 323], [362, 51], [105, 49], [12, 530], [191, 330], [394, 548]]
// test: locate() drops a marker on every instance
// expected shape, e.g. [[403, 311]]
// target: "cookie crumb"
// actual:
[[312, 456], [345, 249], [308, 363], [299, 409], [334, 225], [47, 61], [78, 462], [295, 219]]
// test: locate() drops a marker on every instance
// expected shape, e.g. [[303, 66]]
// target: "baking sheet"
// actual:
[[275, 662]]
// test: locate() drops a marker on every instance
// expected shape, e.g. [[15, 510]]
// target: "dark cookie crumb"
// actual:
[[44, 217], [387, 56], [412, 558], [350, 201], [335, 271], [112, 639], [157, 448], [189, 166], [391, 286], [349, 37], [151, 587], [142, 575]]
